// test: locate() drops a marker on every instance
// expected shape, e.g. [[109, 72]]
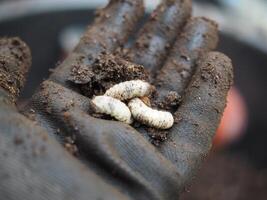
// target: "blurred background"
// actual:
[[237, 166]]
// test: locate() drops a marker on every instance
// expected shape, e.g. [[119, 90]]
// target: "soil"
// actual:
[[106, 71], [15, 60], [70, 146]]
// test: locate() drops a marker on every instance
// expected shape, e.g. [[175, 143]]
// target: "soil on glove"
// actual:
[[107, 70], [15, 59]]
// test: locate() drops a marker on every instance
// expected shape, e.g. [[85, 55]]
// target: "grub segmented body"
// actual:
[[113, 107], [150, 117], [130, 89]]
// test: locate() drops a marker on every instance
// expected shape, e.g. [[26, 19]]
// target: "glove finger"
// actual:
[[158, 34], [34, 166], [110, 29], [197, 118], [15, 61], [200, 35]]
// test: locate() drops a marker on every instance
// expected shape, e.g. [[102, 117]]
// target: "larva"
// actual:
[[150, 117], [130, 89], [112, 107]]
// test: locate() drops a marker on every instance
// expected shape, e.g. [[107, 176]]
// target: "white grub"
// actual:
[[150, 117], [130, 89], [113, 107]]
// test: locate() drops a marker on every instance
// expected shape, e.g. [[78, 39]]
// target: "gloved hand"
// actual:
[[115, 160]]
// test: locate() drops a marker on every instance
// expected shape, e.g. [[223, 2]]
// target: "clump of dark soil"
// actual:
[[169, 101], [106, 71], [157, 136]]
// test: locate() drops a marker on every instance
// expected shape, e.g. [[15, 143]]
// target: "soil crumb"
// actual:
[[70, 146], [106, 71], [170, 102]]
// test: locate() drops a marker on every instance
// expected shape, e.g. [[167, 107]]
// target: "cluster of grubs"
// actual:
[[133, 92]]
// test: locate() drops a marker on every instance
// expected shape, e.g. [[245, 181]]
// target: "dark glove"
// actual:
[[114, 160]]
